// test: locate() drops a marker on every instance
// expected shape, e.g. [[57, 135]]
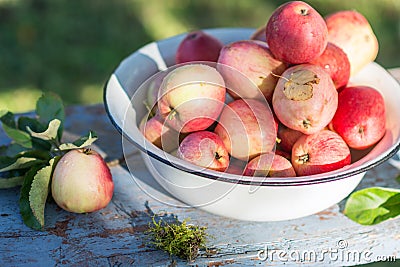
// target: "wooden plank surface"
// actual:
[[115, 235]]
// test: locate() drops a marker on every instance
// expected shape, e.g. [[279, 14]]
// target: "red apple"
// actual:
[[254, 60], [286, 155], [191, 97], [157, 132], [198, 46], [296, 33], [247, 128], [270, 164], [204, 149], [319, 152], [288, 138], [335, 62], [360, 118], [305, 98], [152, 93], [352, 32], [82, 182]]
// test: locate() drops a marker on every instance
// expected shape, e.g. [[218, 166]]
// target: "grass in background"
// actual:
[[68, 47], [71, 47]]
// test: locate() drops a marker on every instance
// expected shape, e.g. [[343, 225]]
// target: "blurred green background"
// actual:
[[71, 47]]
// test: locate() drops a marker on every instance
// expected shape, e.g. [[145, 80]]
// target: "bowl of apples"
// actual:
[[261, 124]]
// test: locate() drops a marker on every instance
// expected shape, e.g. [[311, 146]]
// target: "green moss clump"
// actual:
[[178, 238]]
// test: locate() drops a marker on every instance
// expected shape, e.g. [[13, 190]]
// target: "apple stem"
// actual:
[[87, 150], [304, 12], [306, 123], [304, 158], [192, 36], [172, 114], [217, 156]]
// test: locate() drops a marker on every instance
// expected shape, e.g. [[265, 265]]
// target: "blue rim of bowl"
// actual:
[[238, 179]]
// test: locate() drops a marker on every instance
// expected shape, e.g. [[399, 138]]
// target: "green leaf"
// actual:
[[24, 206], [33, 123], [11, 182], [8, 119], [6, 161], [20, 137], [39, 154], [50, 133], [13, 173], [81, 142], [26, 122], [373, 205], [48, 107], [16, 151], [40, 190], [393, 205], [8, 164], [12, 178]]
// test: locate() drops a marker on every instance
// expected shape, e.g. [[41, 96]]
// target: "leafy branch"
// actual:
[[30, 158]]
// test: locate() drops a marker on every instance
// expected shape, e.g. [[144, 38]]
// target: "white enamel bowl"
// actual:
[[232, 195]]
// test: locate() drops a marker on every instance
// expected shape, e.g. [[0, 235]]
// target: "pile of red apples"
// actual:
[[309, 119]]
